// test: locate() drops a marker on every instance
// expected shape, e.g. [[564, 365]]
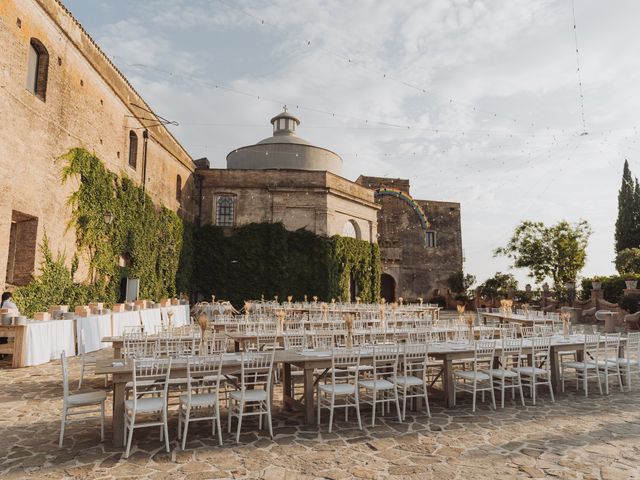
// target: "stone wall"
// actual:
[[418, 270], [315, 200], [88, 104]]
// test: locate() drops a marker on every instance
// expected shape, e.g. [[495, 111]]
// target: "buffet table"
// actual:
[[45, 340]]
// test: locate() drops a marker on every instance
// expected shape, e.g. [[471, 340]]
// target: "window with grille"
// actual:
[[431, 239], [225, 211], [133, 149]]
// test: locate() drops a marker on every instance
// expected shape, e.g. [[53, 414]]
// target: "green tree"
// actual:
[[627, 233], [628, 261], [459, 283], [557, 252], [498, 285]]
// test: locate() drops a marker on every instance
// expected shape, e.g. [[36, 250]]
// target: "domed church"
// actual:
[[287, 179]]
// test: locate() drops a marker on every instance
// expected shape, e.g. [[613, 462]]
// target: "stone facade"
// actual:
[[87, 103], [411, 268], [318, 201]]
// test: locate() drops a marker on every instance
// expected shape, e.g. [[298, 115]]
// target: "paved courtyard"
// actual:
[[594, 438]]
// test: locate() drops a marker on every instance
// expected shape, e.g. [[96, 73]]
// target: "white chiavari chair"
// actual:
[[253, 396], [201, 400], [586, 369], [150, 400], [478, 379], [340, 388], [378, 386], [539, 372], [506, 376], [411, 383]]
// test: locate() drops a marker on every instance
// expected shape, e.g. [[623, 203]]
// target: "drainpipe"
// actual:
[[145, 137]]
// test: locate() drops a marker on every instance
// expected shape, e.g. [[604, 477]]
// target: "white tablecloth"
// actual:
[[122, 320], [181, 315], [152, 320], [47, 339], [94, 328]]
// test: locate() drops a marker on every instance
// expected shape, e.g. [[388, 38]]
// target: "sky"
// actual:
[[474, 101]]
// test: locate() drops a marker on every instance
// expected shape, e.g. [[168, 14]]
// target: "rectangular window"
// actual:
[[431, 239], [225, 206], [32, 69]]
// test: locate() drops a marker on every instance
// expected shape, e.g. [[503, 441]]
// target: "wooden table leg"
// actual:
[[309, 405], [447, 382], [236, 346], [117, 351], [117, 421], [287, 390], [556, 381]]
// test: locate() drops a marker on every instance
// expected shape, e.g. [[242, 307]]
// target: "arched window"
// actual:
[[133, 149], [225, 206], [179, 188], [37, 69], [351, 229]]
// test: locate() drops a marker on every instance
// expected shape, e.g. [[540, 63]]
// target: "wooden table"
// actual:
[[309, 362], [515, 318], [16, 336]]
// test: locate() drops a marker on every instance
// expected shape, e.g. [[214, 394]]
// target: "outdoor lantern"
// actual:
[[108, 217], [527, 287]]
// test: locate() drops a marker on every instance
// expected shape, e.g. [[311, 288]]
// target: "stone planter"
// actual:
[[596, 285], [631, 284]]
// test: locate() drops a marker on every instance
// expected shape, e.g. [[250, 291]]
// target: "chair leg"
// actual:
[[269, 418], [102, 421], [186, 426], [130, 437], [166, 429], [400, 417], [240, 412], [357, 402], [331, 412], [218, 424], [553, 400], [81, 374], [473, 402], [493, 398], [318, 407], [64, 421], [373, 408]]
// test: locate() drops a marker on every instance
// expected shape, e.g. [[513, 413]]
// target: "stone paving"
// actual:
[[594, 438]]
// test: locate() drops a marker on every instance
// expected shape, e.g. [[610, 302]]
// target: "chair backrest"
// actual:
[[176, 347], [508, 330], [65, 375], [256, 370], [611, 345], [527, 331], [483, 354], [591, 347], [156, 369], [414, 359], [511, 353], [632, 347], [543, 330], [294, 341], [266, 341], [213, 345], [201, 367], [345, 363], [385, 361], [540, 351], [136, 347], [323, 341]]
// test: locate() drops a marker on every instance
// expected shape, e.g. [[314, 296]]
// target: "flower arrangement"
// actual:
[[213, 299], [315, 299], [170, 318], [400, 300], [289, 298], [203, 323], [460, 309], [348, 321], [566, 324], [280, 314], [325, 311], [420, 300]]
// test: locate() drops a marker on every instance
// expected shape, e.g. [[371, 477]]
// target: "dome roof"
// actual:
[[285, 150]]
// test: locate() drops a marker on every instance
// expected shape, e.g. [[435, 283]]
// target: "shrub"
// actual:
[[630, 303], [628, 261], [612, 286]]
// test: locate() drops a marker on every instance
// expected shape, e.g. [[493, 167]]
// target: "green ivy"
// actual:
[[151, 237], [266, 259]]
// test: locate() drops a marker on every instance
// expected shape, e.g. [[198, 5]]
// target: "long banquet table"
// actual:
[[310, 361], [515, 318]]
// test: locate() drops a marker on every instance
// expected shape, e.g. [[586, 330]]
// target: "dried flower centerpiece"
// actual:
[[525, 309], [358, 299], [203, 323], [470, 318], [460, 309], [213, 299], [325, 311], [400, 300], [348, 321], [566, 324], [305, 298], [315, 299], [289, 298], [420, 300], [247, 310], [170, 319], [280, 314]]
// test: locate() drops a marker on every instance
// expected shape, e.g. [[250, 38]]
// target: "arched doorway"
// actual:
[[388, 287]]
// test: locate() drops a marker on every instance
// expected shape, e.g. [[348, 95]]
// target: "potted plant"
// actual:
[[631, 283], [596, 285]]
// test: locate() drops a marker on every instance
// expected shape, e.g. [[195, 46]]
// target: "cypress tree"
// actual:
[[627, 233]]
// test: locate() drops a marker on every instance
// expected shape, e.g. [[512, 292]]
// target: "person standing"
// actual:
[[7, 302]]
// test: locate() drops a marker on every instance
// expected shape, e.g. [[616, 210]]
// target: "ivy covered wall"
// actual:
[[266, 259], [170, 256], [142, 241]]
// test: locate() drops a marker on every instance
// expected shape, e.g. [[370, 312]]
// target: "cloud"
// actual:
[[496, 127]]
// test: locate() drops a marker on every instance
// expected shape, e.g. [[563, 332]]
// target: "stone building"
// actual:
[[286, 179], [417, 257], [58, 91]]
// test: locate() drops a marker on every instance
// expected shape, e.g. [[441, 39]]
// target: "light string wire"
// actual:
[[578, 72]]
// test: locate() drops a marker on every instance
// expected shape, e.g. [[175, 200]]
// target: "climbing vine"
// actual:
[[142, 241], [267, 260]]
